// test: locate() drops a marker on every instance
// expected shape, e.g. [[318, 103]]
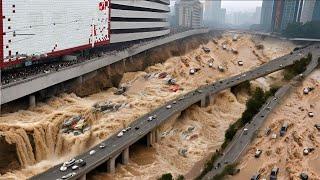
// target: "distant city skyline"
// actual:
[[241, 5]]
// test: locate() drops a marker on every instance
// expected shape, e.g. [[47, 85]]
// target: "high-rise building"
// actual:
[[316, 11], [189, 13], [285, 12], [213, 14], [277, 15], [266, 14], [290, 13], [310, 11], [257, 15]]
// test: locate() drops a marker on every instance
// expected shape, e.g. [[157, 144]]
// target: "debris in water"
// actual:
[[76, 124], [171, 81], [174, 88], [310, 114], [240, 63], [121, 90], [194, 70], [162, 75], [307, 150], [221, 68], [224, 46], [206, 50], [108, 106], [307, 90], [234, 51], [183, 152], [191, 128]]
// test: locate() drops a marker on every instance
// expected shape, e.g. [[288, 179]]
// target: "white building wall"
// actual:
[[139, 19]]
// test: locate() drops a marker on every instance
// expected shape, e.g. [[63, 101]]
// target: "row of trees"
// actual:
[[307, 30]]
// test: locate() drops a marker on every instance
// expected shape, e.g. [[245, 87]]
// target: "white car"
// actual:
[[128, 128], [120, 134], [192, 71], [69, 163], [92, 152], [210, 64], [245, 131], [244, 75], [74, 167], [258, 153], [63, 168], [69, 175], [240, 63], [310, 114], [169, 107], [102, 145], [150, 118], [281, 65]]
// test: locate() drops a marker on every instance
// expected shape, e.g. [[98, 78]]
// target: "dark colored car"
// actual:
[[255, 177], [274, 173], [283, 129], [304, 176]]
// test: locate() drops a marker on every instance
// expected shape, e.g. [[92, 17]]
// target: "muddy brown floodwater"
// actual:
[[287, 152], [199, 131]]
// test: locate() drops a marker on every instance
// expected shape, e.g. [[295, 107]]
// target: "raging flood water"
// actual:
[[287, 152], [41, 143]]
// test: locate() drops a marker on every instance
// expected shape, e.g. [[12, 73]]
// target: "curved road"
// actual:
[[115, 145], [241, 141]]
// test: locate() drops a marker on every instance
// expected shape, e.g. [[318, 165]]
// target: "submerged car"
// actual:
[[283, 129], [274, 173], [240, 63], [255, 177], [258, 153]]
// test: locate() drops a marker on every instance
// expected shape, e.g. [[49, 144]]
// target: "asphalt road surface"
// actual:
[[242, 140], [115, 145]]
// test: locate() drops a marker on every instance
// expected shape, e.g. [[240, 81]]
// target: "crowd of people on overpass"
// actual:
[[47, 66]]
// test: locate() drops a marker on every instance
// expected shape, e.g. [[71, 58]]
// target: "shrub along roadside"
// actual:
[[297, 68], [228, 170], [253, 105]]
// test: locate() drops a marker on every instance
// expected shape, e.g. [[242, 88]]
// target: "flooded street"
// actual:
[[287, 152], [41, 142]]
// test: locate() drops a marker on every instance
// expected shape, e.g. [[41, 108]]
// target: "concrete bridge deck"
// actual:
[[36, 83], [116, 146]]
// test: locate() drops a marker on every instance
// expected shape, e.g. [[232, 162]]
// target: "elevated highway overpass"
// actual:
[[33, 84], [119, 146]]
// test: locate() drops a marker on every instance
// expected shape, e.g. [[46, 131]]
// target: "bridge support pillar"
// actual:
[[157, 135], [153, 137], [150, 139], [32, 101], [205, 101], [111, 165], [83, 177], [125, 156]]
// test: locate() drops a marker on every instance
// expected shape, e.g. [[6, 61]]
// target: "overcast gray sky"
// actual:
[[241, 5]]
